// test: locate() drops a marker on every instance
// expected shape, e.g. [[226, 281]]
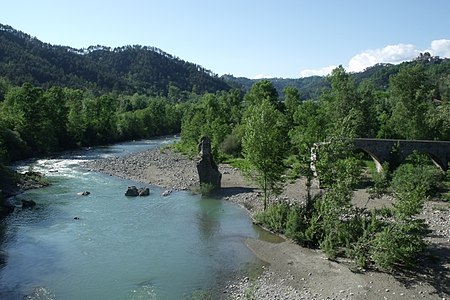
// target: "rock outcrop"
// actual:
[[133, 191], [208, 171]]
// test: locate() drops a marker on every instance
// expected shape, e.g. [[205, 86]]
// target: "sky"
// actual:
[[247, 38]]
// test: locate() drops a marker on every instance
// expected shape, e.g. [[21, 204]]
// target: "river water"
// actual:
[[108, 246]]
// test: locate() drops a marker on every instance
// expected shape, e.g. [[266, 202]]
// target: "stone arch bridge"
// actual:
[[395, 151]]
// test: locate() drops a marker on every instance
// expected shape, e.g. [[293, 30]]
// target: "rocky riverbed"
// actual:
[[294, 272]]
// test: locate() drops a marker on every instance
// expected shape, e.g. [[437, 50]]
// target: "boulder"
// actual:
[[144, 192], [208, 171], [85, 193], [166, 193], [28, 203], [133, 191]]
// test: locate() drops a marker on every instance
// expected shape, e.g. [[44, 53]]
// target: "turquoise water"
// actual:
[[108, 246]]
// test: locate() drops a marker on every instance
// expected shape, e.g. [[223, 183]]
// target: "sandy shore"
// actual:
[[295, 272]]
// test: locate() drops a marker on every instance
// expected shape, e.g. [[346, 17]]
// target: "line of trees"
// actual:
[[34, 121]]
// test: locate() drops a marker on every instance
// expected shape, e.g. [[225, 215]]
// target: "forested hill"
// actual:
[[378, 76], [309, 87], [128, 69]]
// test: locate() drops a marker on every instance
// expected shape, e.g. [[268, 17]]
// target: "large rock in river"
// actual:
[[208, 171], [133, 191]]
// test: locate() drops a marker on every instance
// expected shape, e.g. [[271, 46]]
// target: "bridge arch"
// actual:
[[396, 151], [377, 160]]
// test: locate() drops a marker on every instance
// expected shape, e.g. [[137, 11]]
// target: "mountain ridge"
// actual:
[[145, 69], [134, 69]]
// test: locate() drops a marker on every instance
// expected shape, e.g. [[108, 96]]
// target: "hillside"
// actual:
[[151, 71], [128, 69], [378, 75]]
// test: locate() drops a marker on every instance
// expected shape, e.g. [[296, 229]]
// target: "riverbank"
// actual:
[[295, 272], [12, 184]]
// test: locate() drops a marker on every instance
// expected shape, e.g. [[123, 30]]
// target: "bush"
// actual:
[[231, 145], [294, 167], [274, 217], [206, 189], [409, 177], [296, 224], [381, 181], [398, 245]]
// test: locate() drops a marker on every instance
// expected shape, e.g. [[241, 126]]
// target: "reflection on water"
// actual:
[[267, 236], [119, 247], [209, 218]]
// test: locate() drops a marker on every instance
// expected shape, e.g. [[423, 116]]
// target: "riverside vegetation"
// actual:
[[269, 136]]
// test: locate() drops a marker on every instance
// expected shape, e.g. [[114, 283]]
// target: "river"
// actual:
[[108, 246]]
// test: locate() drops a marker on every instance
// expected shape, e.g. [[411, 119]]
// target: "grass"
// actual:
[[239, 163]]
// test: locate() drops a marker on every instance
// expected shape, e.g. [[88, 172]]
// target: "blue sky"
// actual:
[[254, 39]]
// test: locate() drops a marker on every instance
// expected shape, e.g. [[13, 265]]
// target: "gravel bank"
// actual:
[[295, 272]]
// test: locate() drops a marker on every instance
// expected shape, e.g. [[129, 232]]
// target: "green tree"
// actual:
[[410, 92], [291, 103], [57, 114], [264, 146], [262, 90], [31, 118], [76, 116], [214, 115], [343, 101], [438, 121]]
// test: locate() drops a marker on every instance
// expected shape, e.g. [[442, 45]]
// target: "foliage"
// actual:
[[422, 177], [398, 245], [206, 189], [34, 121], [387, 239], [309, 124], [410, 92], [231, 145], [215, 116], [381, 181], [275, 217], [335, 164], [264, 146], [128, 69], [262, 91]]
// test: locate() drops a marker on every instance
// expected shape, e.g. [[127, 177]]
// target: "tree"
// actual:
[[29, 115], [291, 103], [262, 90], [343, 99], [411, 93], [264, 146]]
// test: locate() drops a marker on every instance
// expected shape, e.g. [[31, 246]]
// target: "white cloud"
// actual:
[[317, 72], [440, 48], [393, 54]]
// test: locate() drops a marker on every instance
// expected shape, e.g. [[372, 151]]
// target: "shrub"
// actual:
[[409, 177], [231, 145], [274, 217], [381, 181], [296, 224], [294, 167], [398, 245]]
